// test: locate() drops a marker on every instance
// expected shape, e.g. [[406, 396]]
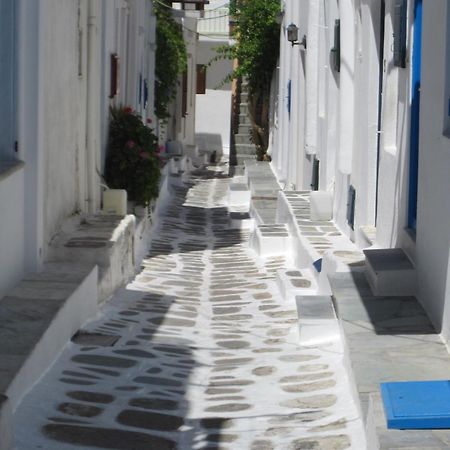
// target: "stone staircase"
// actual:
[[244, 148]]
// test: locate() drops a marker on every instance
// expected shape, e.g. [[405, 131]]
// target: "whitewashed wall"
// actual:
[[62, 110], [334, 115], [433, 214], [288, 152], [63, 82], [213, 109]]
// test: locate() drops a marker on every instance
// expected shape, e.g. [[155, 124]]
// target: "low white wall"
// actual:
[[12, 230]]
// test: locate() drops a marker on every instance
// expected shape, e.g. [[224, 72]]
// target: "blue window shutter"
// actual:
[[315, 175], [140, 89], [145, 93], [289, 89], [351, 207]]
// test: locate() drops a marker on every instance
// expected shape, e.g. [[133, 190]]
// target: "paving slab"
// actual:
[[208, 354], [389, 339]]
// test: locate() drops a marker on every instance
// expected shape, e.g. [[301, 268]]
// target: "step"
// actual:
[[390, 272], [244, 97], [293, 282], [244, 128], [37, 318], [238, 195], [244, 138], [317, 320], [241, 159], [270, 240], [245, 149], [243, 108], [103, 240], [241, 220], [244, 119]]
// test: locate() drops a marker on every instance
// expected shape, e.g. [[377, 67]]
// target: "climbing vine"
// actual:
[[171, 57], [257, 35]]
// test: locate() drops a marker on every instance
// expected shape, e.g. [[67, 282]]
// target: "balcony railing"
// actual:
[[214, 23]]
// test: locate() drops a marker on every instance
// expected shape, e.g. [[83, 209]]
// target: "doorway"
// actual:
[[415, 116]]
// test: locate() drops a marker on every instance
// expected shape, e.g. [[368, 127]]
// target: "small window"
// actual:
[[400, 16], [315, 175], [114, 90], [201, 79], [351, 199], [289, 93]]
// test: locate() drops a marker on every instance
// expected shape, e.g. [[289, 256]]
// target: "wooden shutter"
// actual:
[[114, 75], [201, 79]]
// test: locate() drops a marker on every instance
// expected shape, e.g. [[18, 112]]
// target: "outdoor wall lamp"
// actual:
[[292, 36]]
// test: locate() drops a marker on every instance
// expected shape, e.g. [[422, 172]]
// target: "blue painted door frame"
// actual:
[[415, 116]]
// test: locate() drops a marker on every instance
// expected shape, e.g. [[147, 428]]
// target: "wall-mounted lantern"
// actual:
[[292, 36]]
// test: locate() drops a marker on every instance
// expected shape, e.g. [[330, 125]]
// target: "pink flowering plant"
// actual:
[[132, 160]]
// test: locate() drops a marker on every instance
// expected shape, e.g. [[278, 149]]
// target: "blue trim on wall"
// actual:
[[289, 90], [415, 115]]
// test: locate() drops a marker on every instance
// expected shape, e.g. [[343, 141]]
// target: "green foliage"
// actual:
[[257, 35], [171, 58], [132, 161]]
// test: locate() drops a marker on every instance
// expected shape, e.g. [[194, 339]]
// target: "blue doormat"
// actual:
[[417, 404]]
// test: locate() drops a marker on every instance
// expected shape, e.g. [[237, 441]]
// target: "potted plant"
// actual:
[[132, 160]]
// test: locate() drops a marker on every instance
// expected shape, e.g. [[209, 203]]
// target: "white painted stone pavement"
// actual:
[[208, 355]]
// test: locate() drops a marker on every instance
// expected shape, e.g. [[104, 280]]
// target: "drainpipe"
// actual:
[[93, 107]]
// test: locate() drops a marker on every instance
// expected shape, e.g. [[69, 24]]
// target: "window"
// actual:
[[114, 85], [201, 79]]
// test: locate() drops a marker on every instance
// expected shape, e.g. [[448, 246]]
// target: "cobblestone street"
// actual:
[[206, 354]]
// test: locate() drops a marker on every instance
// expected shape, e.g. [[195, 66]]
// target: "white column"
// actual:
[[346, 97], [312, 81], [93, 106]]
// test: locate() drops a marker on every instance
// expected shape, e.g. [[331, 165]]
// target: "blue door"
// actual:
[[415, 115], [7, 79]]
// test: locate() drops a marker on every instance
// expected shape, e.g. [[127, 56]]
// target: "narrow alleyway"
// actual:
[[207, 354]]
